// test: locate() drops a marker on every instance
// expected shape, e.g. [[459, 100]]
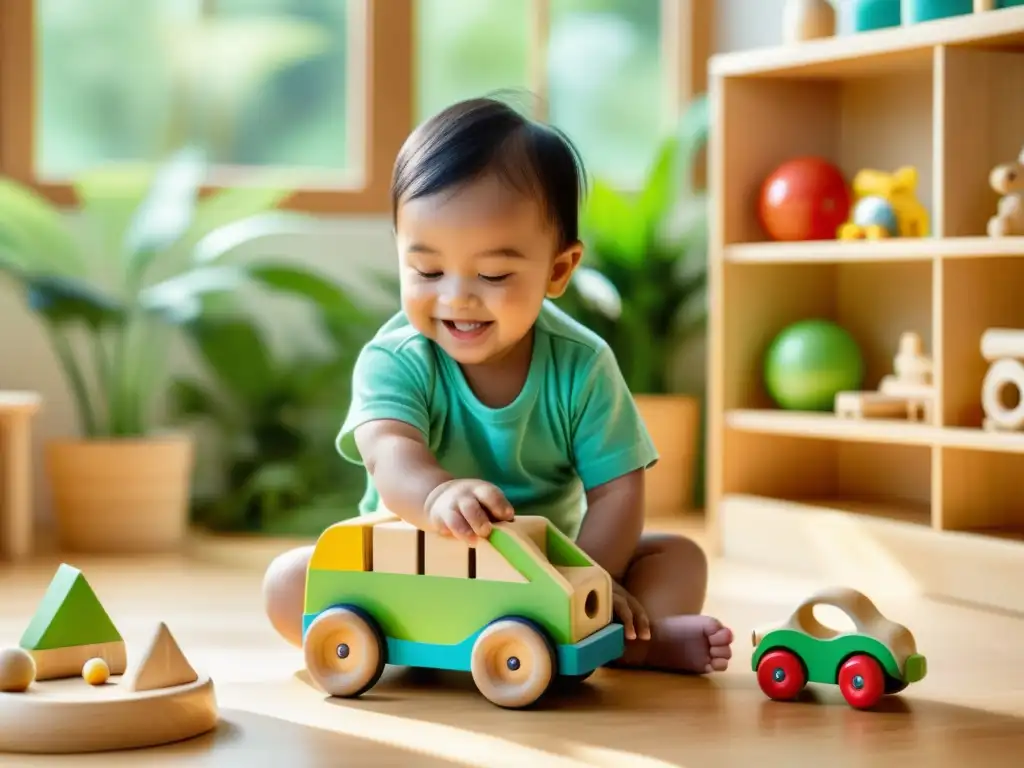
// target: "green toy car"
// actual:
[[517, 611], [880, 657]]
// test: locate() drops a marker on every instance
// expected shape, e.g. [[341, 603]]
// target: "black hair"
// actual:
[[482, 136]]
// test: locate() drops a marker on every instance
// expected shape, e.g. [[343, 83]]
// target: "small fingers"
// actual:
[[643, 624], [495, 502], [475, 516], [624, 613], [459, 527]]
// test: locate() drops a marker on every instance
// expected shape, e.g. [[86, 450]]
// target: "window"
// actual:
[[329, 89], [254, 82], [599, 67]]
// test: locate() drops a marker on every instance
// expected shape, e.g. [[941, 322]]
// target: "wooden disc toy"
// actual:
[[71, 716], [82, 694]]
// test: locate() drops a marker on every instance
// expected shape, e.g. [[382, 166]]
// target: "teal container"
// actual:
[[1008, 3], [875, 14], [915, 11]]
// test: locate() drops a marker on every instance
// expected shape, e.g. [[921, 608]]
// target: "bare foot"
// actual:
[[695, 644]]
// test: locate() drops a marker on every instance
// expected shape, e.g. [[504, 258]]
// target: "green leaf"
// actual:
[[190, 400], [110, 197], [235, 353], [166, 212], [225, 239], [307, 284], [67, 300], [180, 299], [34, 233], [614, 225]]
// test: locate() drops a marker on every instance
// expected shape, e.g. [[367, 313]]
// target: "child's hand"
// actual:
[[465, 508], [630, 613]]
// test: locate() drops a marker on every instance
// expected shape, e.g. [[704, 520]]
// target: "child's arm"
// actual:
[[612, 450], [615, 519], [404, 470]]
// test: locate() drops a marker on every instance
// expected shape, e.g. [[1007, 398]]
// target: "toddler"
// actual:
[[481, 400]]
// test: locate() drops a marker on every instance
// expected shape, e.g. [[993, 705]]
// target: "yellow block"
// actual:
[[348, 545]]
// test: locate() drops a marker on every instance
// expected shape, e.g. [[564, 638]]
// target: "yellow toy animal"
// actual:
[[885, 205], [1008, 180]]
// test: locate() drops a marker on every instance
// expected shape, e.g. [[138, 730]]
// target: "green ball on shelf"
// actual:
[[811, 361]]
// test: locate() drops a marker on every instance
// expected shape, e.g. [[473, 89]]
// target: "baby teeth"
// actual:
[[467, 326]]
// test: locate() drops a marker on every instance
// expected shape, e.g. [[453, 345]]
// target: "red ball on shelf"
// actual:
[[806, 198]]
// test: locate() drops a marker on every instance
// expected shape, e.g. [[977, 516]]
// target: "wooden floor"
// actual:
[[969, 709]]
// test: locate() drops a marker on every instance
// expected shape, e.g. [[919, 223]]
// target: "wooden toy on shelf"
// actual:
[[70, 627], [516, 610], [807, 20], [879, 657], [885, 205], [1004, 349], [908, 394], [1008, 180], [50, 706], [16, 412]]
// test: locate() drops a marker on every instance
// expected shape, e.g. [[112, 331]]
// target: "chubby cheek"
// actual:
[[418, 303]]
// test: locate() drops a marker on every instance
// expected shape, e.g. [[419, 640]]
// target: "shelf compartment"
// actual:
[[875, 302], [893, 480], [982, 492], [863, 251], [873, 549], [882, 122], [980, 117], [977, 294], [896, 49], [826, 425]]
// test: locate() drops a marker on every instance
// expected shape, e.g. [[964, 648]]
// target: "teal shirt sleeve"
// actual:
[[386, 384], [609, 437]]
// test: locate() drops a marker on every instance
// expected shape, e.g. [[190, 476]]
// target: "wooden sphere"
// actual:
[[17, 670], [95, 671]]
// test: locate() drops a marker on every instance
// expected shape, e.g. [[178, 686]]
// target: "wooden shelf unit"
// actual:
[[941, 505]]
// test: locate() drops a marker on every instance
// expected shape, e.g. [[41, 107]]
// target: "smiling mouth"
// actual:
[[461, 329]]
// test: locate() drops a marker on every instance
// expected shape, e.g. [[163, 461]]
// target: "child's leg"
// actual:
[[284, 589], [669, 576]]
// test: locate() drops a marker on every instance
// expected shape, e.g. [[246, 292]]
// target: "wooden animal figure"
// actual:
[[1008, 180], [885, 205]]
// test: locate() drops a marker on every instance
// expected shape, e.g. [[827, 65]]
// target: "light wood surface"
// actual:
[[943, 97], [17, 410], [969, 708]]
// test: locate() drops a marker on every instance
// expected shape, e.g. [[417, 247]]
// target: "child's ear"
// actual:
[[564, 265]]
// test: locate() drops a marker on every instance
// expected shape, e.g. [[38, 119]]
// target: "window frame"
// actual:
[[388, 92]]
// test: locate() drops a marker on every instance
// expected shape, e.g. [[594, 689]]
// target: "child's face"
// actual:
[[476, 266]]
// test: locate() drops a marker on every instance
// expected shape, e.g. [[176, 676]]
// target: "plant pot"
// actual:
[[674, 424], [916, 11], [121, 496], [875, 14]]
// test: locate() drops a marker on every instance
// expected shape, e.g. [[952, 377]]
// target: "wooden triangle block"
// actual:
[[163, 665]]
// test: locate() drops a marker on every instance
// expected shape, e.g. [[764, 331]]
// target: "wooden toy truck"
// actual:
[[517, 611], [880, 657]]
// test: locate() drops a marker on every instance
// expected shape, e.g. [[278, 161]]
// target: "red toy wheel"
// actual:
[[781, 675], [861, 681]]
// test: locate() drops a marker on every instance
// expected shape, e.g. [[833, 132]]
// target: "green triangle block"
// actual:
[[69, 614]]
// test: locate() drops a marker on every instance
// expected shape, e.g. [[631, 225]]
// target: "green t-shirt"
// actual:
[[573, 426]]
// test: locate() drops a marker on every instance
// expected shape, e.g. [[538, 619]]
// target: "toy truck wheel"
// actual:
[[512, 663], [345, 652], [781, 675], [861, 681]]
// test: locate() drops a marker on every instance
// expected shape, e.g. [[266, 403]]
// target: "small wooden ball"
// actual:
[[17, 670], [96, 672]]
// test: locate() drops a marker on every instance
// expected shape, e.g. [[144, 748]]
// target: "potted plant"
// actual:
[[123, 484], [273, 413], [642, 287]]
